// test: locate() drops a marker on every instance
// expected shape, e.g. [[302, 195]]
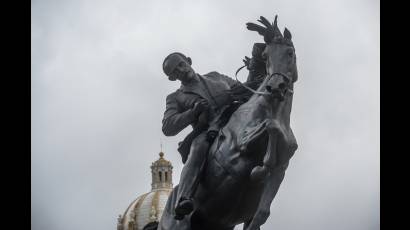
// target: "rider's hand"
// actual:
[[200, 106], [203, 118], [247, 62]]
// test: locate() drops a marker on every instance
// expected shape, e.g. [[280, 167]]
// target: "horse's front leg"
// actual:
[[276, 140], [272, 180], [269, 192]]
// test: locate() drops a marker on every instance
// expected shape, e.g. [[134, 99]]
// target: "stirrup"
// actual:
[[184, 207]]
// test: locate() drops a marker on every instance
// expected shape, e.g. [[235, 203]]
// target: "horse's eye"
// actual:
[[290, 53]]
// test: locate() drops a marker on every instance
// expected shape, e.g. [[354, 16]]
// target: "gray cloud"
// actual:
[[98, 95]]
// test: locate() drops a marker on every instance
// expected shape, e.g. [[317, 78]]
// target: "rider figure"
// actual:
[[201, 101]]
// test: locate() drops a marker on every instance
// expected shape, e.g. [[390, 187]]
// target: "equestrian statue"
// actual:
[[236, 156]]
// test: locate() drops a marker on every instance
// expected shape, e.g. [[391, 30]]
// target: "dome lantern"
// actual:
[[161, 171]]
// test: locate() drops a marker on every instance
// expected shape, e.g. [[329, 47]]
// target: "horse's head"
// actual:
[[280, 58]]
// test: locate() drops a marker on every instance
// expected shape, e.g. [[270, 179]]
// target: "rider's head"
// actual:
[[177, 66], [257, 50]]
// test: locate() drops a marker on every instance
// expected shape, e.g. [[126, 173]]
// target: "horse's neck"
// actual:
[[287, 108], [282, 111]]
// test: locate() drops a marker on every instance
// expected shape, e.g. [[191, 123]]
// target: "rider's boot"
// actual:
[[185, 206], [190, 176]]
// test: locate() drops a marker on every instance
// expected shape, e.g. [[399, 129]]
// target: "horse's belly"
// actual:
[[226, 198]]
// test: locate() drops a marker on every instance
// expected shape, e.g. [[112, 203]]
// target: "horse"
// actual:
[[247, 161]]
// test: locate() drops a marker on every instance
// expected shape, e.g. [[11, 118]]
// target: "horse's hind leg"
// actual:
[[198, 222], [246, 225]]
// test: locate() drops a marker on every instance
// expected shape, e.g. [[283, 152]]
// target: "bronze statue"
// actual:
[[205, 102], [241, 143], [198, 102]]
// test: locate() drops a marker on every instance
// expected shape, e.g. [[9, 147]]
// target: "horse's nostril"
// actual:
[[282, 85]]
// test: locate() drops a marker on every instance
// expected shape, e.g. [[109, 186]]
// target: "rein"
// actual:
[[259, 92]]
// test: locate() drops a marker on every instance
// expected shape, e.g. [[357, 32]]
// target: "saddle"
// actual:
[[220, 121]]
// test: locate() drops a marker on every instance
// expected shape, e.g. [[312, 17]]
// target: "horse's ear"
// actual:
[[189, 60], [254, 27], [287, 34]]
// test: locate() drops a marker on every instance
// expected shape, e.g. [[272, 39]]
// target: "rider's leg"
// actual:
[[190, 175]]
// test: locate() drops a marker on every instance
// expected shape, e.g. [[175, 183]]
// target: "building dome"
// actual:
[[147, 209]]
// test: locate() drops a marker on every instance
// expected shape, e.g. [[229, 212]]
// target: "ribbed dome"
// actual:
[[148, 207], [145, 209]]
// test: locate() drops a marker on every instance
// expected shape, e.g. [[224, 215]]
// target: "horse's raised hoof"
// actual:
[[258, 173]]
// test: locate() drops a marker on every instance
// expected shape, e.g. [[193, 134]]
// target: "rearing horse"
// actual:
[[248, 159]]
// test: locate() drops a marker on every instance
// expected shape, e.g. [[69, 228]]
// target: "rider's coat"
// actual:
[[213, 87]]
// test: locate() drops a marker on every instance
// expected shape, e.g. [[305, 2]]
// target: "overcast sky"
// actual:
[[98, 96]]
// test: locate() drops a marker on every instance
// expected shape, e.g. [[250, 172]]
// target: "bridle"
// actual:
[[288, 79]]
